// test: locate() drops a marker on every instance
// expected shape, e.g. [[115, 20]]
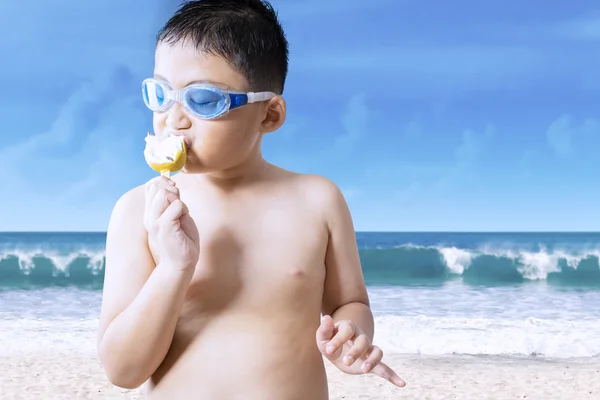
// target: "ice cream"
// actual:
[[165, 155]]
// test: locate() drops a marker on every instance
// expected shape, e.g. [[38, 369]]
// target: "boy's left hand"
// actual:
[[350, 350]]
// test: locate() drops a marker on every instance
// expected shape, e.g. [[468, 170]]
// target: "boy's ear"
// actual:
[[274, 116]]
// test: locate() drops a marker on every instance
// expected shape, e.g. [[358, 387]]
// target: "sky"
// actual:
[[429, 115]]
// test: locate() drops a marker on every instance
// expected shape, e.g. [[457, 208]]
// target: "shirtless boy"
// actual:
[[216, 279]]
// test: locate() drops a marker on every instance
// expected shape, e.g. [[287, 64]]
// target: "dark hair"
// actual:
[[246, 33]]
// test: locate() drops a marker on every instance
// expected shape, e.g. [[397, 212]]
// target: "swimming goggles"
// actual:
[[202, 100]]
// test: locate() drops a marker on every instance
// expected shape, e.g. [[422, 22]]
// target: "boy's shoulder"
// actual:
[[132, 198], [130, 205], [317, 187], [319, 193]]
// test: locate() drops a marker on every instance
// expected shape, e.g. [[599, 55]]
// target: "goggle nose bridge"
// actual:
[[176, 95]]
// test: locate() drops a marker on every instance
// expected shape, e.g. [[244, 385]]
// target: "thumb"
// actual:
[[326, 330]]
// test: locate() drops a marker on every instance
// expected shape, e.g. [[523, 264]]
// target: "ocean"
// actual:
[[505, 294]]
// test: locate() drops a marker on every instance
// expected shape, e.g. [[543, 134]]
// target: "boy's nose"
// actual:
[[177, 118]]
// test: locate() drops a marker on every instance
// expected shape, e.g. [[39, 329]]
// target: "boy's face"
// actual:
[[221, 143]]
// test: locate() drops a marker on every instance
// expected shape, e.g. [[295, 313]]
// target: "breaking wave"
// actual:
[[402, 265], [38, 268], [408, 264]]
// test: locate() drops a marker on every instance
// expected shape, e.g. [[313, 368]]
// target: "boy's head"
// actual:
[[228, 45]]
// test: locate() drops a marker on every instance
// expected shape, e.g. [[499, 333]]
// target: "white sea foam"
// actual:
[[489, 336], [492, 320], [426, 321], [457, 260], [394, 334], [60, 260], [533, 265]]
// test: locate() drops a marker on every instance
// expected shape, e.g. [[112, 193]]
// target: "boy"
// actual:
[[215, 279]]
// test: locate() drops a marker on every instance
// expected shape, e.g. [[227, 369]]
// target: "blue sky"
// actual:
[[430, 115]]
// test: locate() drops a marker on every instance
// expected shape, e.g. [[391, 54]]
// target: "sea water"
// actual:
[[510, 294]]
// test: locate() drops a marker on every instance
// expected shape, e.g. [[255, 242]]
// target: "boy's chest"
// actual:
[[253, 257]]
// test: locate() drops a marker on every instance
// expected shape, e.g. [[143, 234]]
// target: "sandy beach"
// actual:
[[79, 376]]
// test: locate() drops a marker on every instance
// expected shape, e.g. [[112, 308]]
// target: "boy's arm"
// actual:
[[345, 295], [347, 328], [140, 302]]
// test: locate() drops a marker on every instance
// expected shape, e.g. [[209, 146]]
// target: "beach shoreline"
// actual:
[[68, 375]]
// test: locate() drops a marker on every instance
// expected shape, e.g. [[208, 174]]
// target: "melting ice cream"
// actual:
[[165, 155]]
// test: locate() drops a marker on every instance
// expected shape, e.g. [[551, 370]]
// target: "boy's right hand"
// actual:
[[170, 226]]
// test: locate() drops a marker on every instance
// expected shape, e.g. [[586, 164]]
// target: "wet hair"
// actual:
[[246, 33]]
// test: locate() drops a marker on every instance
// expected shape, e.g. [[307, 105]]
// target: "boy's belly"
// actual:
[[247, 329], [243, 356]]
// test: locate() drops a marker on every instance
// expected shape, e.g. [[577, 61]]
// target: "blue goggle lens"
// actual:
[[154, 95], [205, 102]]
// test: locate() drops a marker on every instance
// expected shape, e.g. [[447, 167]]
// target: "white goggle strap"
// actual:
[[254, 97]]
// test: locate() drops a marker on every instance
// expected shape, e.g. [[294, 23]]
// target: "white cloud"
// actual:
[[69, 176], [431, 181], [590, 127], [354, 120], [585, 29], [459, 61], [409, 192], [472, 146], [70, 38], [563, 133], [293, 126], [96, 93], [560, 135], [414, 128], [529, 159]]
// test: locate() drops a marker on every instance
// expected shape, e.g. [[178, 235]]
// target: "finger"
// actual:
[[373, 359], [158, 205], [359, 348], [171, 195], [388, 374], [345, 332], [151, 190], [163, 179], [166, 184], [326, 329], [158, 181], [175, 210], [153, 186]]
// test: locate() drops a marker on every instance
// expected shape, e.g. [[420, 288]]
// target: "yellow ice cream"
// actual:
[[165, 155]]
